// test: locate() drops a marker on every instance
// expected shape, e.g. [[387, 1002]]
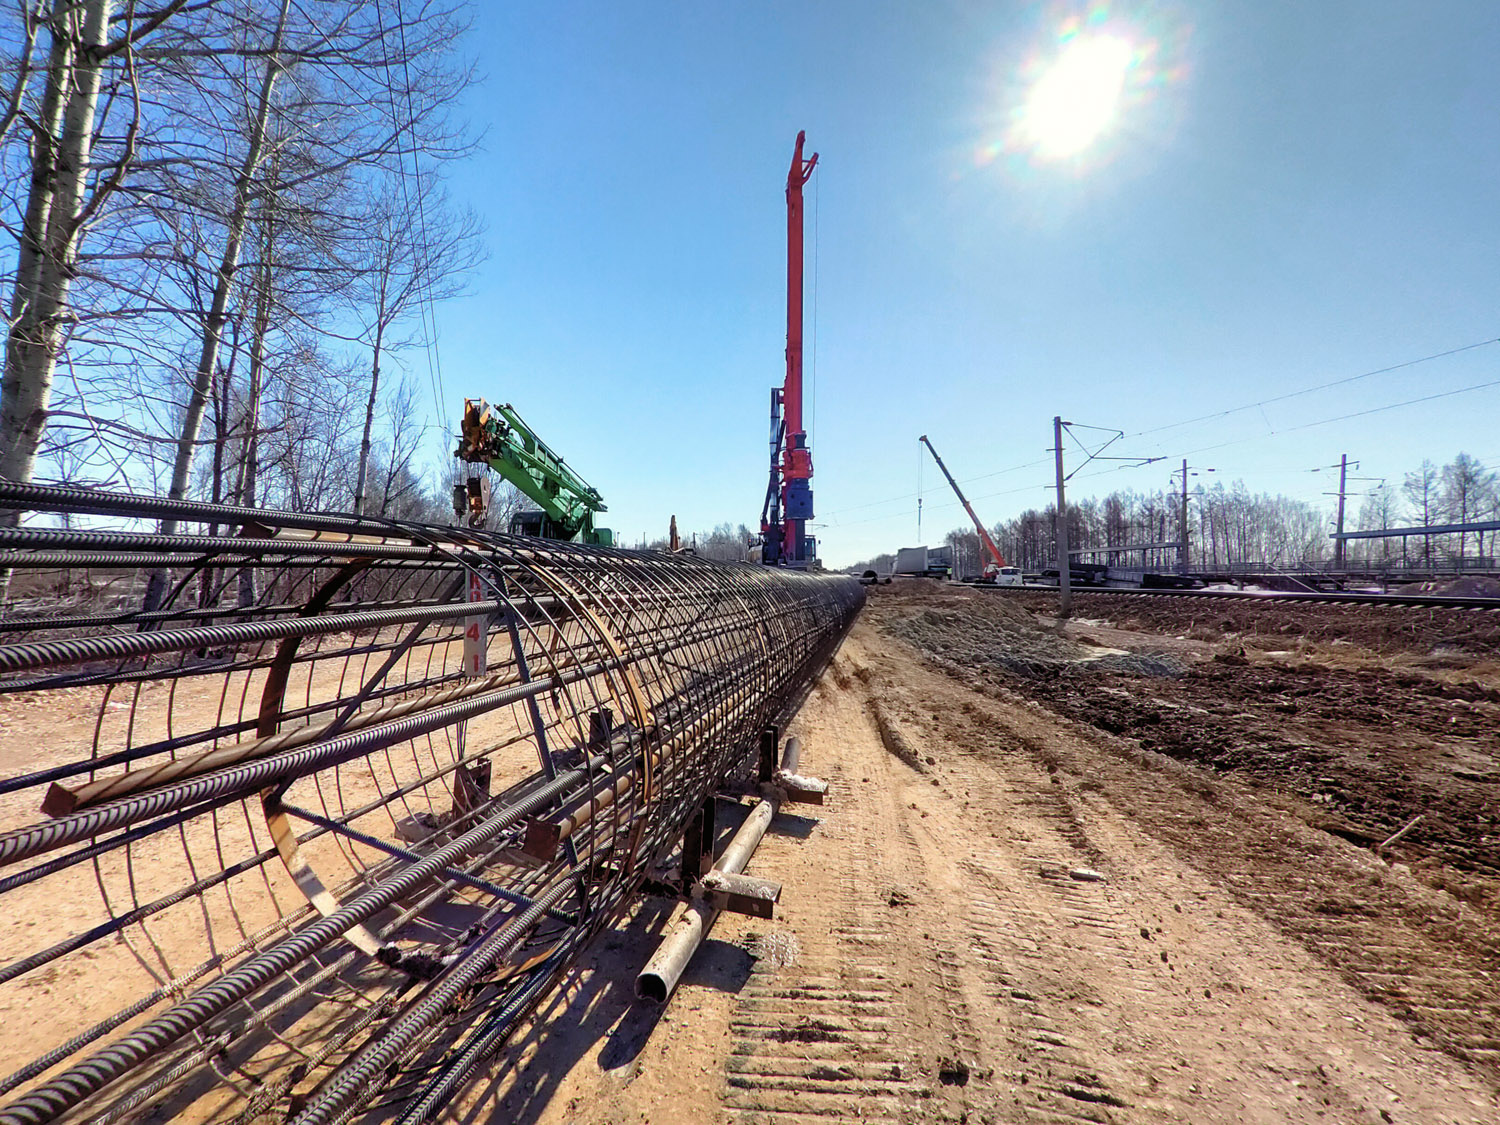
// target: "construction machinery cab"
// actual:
[[534, 522]]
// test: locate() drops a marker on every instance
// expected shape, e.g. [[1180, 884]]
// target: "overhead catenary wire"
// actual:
[[908, 496], [1261, 403], [1349, 416]]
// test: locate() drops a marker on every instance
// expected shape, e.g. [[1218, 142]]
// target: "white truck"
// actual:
[[924, 562]]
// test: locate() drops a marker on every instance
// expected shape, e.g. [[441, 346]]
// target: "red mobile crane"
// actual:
[[992, 570], [789, 499]]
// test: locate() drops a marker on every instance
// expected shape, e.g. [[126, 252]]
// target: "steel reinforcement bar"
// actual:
[[300, 814]]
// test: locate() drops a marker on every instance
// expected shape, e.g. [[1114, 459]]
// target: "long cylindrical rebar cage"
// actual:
[[301, 814]]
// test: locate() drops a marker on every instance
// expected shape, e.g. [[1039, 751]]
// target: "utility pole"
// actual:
[[1182, 548], [1064, 560], [1340, 549], [1338, 543]]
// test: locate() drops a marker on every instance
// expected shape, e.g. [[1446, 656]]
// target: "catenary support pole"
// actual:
[[1182, 539], [1338, 543], [1064, 560]]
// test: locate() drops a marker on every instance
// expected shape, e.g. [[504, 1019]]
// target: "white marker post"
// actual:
[[476, 633], [476, 650]]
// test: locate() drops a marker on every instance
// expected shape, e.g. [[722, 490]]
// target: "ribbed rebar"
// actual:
[[426, 700]]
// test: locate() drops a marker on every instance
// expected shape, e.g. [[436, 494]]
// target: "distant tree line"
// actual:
[[1229, 526], [724, 543]]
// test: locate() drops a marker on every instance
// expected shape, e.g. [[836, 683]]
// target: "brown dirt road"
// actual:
[[1236, 962]]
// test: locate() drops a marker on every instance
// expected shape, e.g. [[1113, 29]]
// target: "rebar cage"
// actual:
[[307, 835]]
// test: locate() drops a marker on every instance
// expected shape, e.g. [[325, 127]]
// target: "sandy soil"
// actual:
[[1123, 871], [1008, 912]]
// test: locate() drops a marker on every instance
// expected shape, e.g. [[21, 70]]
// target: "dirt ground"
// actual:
[[1120, 874]]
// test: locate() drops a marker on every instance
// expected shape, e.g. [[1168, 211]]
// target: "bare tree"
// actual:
[[1376, 513], [1421, 491], [56, 213], [239, 215], [409, 259], [1465, 485], [370, 88]]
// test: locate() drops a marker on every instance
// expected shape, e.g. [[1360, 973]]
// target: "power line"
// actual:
[[1354, 414], [948, 506], [1238, 409], [1204, 449], [1322, 422], [1203, 418], [904, 497], [1320, 387], [1291, 429], [428, 311]]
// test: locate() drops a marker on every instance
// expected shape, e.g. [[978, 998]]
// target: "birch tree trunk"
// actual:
[[49, 243], [43, 174]]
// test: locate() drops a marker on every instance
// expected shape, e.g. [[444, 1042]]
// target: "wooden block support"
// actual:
[[801, 790], [770, 740], [743, 894]]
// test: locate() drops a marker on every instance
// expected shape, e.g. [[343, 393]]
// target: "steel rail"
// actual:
[[1317, 597]]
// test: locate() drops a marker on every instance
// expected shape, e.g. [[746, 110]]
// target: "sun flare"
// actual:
[[1076, 99]]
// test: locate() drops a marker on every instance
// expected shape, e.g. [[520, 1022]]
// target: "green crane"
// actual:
[[496, 436]]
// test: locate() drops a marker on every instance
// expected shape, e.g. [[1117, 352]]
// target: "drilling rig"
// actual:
[[789, 499]]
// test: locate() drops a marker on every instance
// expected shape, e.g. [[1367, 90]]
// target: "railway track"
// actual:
[[1417, 601]]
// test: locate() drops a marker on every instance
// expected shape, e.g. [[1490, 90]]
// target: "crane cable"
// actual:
[[812, 427]]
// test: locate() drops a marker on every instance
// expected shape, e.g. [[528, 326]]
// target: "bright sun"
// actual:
[[1074, 100]]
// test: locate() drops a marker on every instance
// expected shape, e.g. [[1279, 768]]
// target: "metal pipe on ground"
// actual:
[[693, 920]]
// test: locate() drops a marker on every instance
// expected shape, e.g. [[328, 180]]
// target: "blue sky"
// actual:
[[1290, 194]]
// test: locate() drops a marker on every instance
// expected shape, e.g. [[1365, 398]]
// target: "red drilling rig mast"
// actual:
[[789, 500]]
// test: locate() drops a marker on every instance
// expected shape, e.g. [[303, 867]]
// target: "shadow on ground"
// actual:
[[596, 1006]]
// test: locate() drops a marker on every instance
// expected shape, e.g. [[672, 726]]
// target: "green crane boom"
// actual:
[[496, 436]]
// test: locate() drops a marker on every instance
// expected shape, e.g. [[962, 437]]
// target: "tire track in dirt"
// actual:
[[1089, 1014], [822, 1038], [1400, 942], [983, 975], [1443, 1001]]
